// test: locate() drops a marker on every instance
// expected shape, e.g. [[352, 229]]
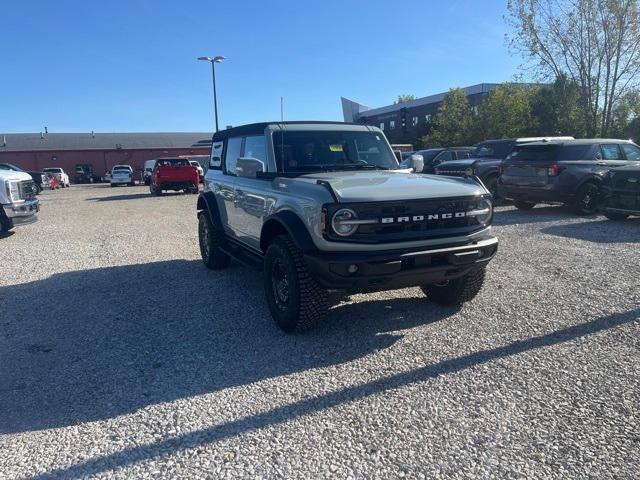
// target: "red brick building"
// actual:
[[35, 151]]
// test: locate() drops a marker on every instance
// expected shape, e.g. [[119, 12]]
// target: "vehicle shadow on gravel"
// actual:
[[537, 215], [601, 231], [312, 405], [121, 338], [134, 196]]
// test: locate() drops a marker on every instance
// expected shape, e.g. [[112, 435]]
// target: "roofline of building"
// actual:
[[438, 97]]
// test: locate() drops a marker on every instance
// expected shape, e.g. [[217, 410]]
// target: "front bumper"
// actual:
[[22, 213], [365, 272]]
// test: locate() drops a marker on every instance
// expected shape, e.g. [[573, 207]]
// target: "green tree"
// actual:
[[594, 43], [452, 126], [556, 109], [407, 97], [506, 112], [632, 130], [626, 115]]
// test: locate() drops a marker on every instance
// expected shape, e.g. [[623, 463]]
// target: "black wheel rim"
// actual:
[[280, 285], [204, 239], [588, 200]]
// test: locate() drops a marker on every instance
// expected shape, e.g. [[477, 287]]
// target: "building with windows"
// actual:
[[35, 151], [408, 121]]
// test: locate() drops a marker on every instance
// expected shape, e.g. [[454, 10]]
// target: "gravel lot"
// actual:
[[122, 356]]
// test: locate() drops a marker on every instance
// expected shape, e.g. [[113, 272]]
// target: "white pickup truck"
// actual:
[[18, 198]]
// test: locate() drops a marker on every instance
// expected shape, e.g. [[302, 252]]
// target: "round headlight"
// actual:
[[469, 171], [483, 211], [341, 222]]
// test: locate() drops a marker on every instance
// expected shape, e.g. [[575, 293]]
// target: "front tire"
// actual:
[[211, 239], [458, 291], [296, 301], [6, 223], [492, 186], [616, 217]]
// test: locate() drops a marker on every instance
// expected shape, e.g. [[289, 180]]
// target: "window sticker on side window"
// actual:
[[337, 147]]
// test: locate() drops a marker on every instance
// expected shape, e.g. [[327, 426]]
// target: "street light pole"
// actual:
[[213, 61], [215, 95]]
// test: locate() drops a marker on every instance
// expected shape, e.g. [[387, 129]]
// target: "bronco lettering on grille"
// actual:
[[431, 216]]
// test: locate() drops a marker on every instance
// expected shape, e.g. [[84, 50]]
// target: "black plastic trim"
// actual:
[[294, 226], [209, 200]]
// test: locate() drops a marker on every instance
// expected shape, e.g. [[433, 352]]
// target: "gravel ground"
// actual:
[[122, 356]]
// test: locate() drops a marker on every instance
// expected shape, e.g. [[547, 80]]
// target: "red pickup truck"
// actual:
[[174, 174]]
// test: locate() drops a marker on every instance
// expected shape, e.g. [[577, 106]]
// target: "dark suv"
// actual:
[[569, 172], [435, 156], [486, 159]]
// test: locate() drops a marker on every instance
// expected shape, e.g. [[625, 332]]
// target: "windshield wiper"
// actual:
[[363, 166]]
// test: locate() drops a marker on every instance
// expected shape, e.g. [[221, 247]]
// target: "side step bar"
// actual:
[[243, 256]]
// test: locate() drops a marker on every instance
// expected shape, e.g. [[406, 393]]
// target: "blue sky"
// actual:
[[130, 65]]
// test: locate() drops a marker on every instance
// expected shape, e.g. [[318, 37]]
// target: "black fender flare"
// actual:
[[286, 221], [207, 203], [592, 178]]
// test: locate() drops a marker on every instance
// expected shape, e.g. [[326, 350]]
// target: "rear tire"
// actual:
[[210, 240], [522, 205], [616, 217], [587, 199], [296, 301], [458, 291]]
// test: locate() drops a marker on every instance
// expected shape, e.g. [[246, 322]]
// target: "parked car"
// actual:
[[569, 172], [147, 171], [433, 157], [323, 207], [485, 160], [621, 192], [174, 174], [106, 178], [11, 167], [19, 205], [122, 175], [84, 173], [196, 164], [59, 173], [41, 179]]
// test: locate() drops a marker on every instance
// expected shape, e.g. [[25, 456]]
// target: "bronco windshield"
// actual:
[[308, 151]]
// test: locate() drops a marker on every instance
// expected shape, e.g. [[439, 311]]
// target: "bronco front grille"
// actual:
[[399, 221]]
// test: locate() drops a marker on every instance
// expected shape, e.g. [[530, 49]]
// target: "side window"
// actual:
[[610, 151], [234, 146], [463, 154], [443, 157], [631, 151], [254, 147], [216, 155]]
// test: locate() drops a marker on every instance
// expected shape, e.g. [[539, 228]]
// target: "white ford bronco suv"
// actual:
[[323, 207], [18, 198]]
